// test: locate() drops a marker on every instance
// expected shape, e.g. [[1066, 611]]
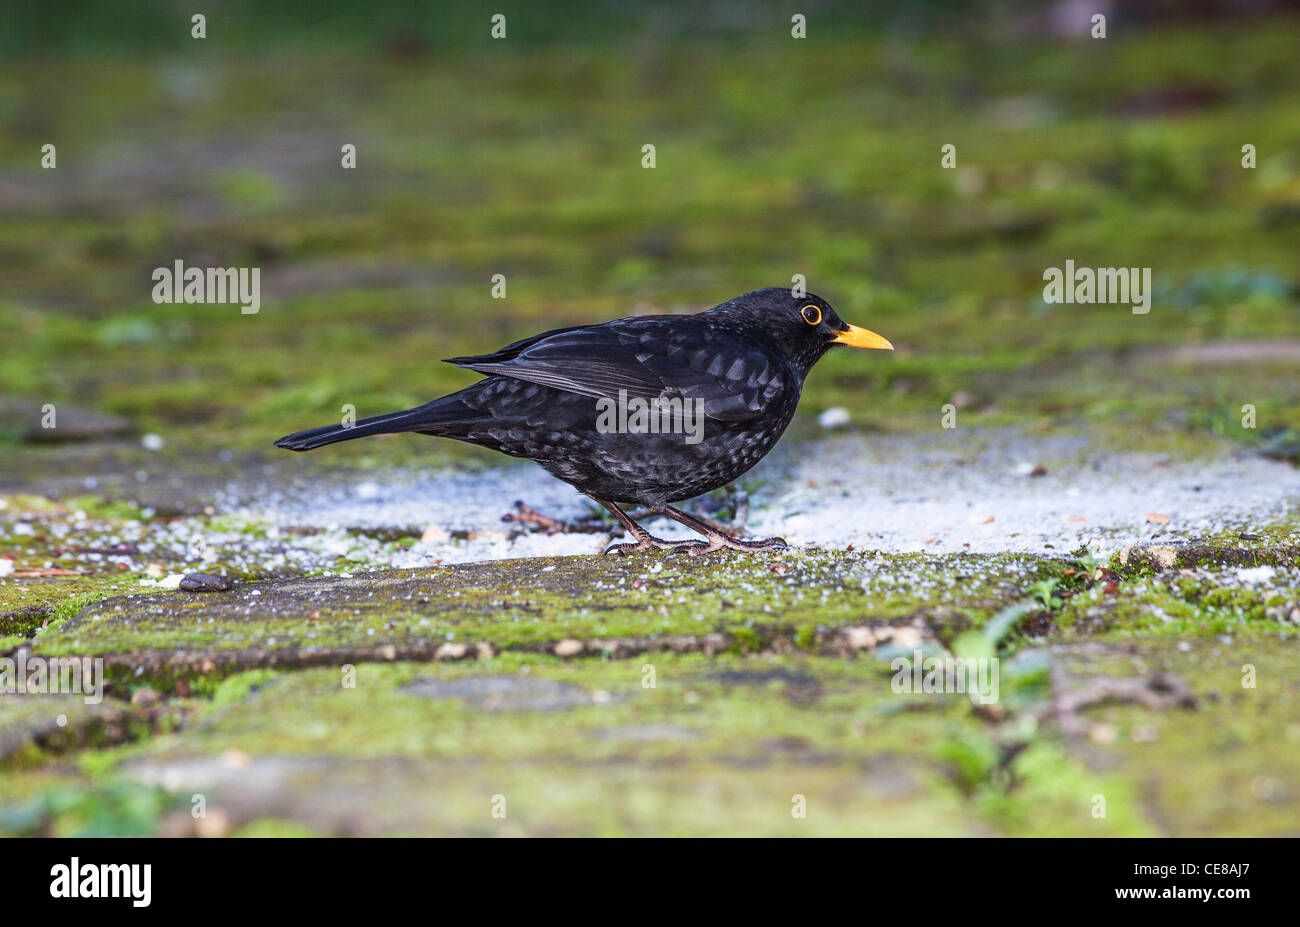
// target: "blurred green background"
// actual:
[[775, 157]]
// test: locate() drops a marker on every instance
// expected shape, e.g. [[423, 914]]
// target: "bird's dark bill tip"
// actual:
[[856, 337]]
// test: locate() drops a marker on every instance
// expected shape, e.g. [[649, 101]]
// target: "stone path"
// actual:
[[1146, 685]]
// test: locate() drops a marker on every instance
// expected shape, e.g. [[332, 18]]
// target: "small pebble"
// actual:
[[834, 417], [145, 697], [202, 582]]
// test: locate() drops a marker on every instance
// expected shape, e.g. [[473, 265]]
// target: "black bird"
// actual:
[[720, 386]]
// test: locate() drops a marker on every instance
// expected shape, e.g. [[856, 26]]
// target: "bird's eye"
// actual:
[[811, 314]]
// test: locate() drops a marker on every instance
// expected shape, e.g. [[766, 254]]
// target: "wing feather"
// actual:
[[646, 358]]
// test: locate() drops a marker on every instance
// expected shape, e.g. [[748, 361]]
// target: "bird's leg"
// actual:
[[643, 539], [716, 539]]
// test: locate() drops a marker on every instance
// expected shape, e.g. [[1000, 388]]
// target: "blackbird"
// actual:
[[649, 410]]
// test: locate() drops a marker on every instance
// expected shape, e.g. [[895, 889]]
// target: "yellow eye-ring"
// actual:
[[811, 314]]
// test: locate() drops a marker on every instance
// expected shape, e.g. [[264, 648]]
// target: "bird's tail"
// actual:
[[425, 418]]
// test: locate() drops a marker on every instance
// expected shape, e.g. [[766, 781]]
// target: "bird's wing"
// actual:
[[588, 360], [647, 357], [510, 351]]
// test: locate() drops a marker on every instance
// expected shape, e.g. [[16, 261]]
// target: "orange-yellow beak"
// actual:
[[856, 337]]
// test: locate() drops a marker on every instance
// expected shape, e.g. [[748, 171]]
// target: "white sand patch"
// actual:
[[941, 494], [954, 491]]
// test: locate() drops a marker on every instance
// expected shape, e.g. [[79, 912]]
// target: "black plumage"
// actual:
[[741, 364]]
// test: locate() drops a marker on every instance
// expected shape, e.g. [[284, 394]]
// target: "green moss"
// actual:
[[101, 507], [746, 640], [1051, 792], [932, 271], [525, 604], [1208, 603], [275, 827], [234, 689], [118, 808], [813, 722]]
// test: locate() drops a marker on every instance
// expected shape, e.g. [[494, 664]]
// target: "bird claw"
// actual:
[[721, 542], [694, 548], [650, 543], [622, 549]]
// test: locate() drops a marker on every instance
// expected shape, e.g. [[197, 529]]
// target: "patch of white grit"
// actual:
[[981, 491]]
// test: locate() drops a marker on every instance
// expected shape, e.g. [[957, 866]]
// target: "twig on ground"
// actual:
[[530, 516], [1158, 692]]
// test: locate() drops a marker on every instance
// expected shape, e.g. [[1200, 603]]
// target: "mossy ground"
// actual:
[[653, 737], [517, 603], [370, 275], [715, 745], [774, 158]]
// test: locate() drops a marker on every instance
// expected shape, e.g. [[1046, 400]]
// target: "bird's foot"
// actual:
[[649, 542], [722, 542]]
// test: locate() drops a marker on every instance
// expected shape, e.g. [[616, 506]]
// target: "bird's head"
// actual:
[[801, 327]]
